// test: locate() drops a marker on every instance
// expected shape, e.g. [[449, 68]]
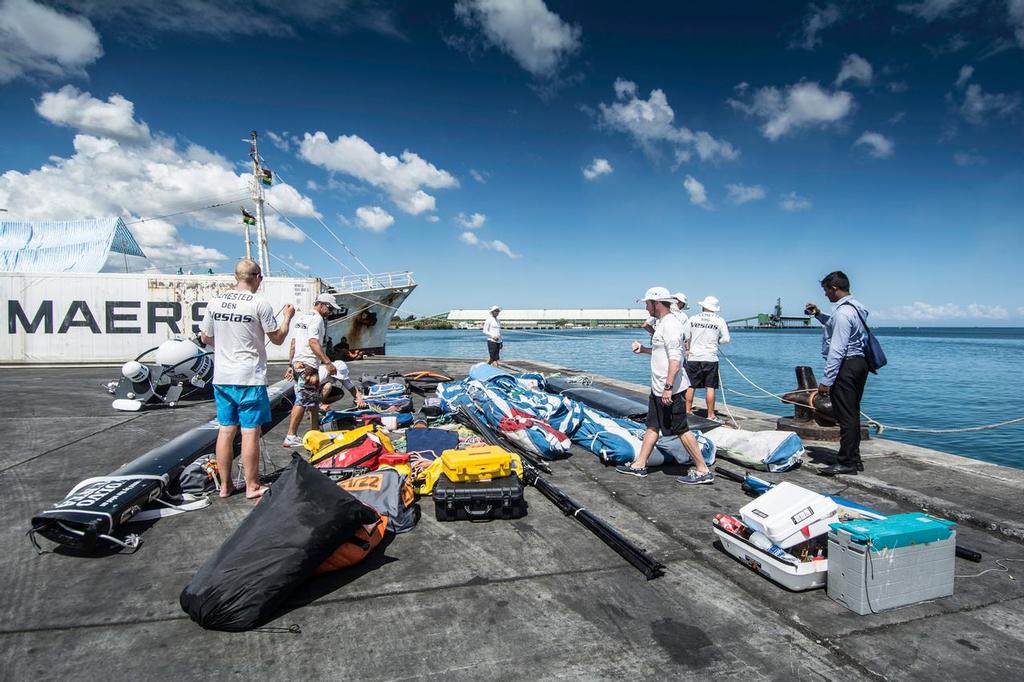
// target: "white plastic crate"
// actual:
[[789, 514]]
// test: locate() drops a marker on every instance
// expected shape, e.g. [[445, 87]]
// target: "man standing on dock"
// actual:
[[704, 333], [846, 369], [492, 330], [666, 410], [307, 352], [235, 324]]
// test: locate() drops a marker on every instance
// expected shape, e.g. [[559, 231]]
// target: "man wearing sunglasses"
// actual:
[[846, 368]]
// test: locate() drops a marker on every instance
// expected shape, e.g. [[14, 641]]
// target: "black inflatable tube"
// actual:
[[96, 507]]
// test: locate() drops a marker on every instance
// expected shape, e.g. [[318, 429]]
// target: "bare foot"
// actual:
[[227, 492], [255, 494]]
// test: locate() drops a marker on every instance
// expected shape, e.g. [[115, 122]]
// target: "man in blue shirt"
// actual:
[[846, 369]]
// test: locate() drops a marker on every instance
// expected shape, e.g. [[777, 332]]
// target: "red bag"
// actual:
[[366, 453]]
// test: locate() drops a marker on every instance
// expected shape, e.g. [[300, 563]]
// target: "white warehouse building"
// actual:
[[553, 317]]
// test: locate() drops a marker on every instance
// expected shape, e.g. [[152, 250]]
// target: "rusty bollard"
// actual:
[[812, 413]]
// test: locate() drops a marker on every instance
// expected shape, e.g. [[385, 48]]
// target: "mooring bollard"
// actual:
[[812, 413]]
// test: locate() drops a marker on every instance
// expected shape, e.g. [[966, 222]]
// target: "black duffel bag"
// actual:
[[299, 522]]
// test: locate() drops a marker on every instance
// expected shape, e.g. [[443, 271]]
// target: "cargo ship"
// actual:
[[61, 305]]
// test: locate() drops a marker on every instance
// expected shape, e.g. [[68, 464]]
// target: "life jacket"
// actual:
[[356, 548]]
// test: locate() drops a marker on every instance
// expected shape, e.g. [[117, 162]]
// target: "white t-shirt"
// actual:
[[340, 376], [666, 345], [305, 327], [705, 332], [238, 322], [492, 329]]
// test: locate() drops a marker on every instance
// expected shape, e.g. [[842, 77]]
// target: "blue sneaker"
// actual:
[[630, 470], [694, 478]]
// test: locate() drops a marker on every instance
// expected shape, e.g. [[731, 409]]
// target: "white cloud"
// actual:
[[495, 245], [879, 146], [698, 195], [373, 218], [400, 177], [898, 117], [537, 38], [1020, 310], [801, 105], [140, 178], [966, 72], [37, 41], [742, 194], [978, 105], [930, 10], [597, 168], [816, 21], [479, 176], [282, 141], [1015, 11], [855, 68], [969, 158], [114, 118], [897, 87], [471, 222], [651, 121], [432, 219], [921, 311], [791, 201]]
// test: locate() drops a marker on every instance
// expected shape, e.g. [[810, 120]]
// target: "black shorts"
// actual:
[[493, 348], [702, 374], [667, 420]]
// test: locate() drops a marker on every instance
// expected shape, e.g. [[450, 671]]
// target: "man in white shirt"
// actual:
[[235, 324], [307, 353], [332, 385], [666, 410], [704, 332], [492, 330]]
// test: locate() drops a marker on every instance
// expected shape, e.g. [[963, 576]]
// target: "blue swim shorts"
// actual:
[[245, 405]]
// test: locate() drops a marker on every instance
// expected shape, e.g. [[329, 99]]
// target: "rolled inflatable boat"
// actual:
[[94, 508]]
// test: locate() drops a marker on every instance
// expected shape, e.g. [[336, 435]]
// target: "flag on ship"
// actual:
[[248, 218], [267, 177]]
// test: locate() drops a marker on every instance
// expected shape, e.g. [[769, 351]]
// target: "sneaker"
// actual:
[[640, 472], [292, 442], [694, 478]]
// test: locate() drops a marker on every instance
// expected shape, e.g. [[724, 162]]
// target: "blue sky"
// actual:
[[546, 154]]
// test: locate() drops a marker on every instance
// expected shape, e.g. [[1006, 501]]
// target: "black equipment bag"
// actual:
[[873, 352], [299, 522], [499, 498]]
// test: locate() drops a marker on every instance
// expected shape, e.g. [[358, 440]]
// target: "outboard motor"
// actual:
[[178, 361]]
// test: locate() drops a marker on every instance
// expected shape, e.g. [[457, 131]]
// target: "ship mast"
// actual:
[[257, 196]]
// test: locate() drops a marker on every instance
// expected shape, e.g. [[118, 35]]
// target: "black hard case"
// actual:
[[499, 498]]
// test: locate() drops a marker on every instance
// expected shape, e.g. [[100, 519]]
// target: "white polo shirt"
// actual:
[[305, 327], [238, 322], [666, 345], [705, 331], [492, 328]]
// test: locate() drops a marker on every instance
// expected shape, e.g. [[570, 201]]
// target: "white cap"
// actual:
[[495, 307], [710, 303], [681, 297], [328, 299], [656, 294]]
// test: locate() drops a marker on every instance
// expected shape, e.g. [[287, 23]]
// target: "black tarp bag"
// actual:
[[300, 521]]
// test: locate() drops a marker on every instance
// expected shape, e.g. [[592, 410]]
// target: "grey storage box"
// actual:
[[875, 565]]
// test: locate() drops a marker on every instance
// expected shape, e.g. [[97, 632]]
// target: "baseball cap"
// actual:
[[681, 297], [328, 299], [656, 294], [710, 303]]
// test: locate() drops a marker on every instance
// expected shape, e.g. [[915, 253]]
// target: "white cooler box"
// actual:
[[807, 575], [789, 514]]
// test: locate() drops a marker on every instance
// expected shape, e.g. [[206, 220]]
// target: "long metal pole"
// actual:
[[261, 225]]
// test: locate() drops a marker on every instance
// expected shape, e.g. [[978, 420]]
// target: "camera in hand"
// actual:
[[809, 310]]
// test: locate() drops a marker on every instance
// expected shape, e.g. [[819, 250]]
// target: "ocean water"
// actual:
[[937, 378]]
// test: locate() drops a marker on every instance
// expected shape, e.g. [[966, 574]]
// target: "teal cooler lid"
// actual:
[[900, 530]]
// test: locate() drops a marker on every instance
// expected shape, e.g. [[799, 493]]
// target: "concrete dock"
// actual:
[[532, 599]]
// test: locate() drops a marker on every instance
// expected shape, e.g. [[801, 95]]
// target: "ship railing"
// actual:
[[368, 282]]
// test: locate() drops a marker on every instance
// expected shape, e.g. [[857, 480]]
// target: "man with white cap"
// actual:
[[704, 332], [492, 330], [666, 410], [678, 306], [306, 352]]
